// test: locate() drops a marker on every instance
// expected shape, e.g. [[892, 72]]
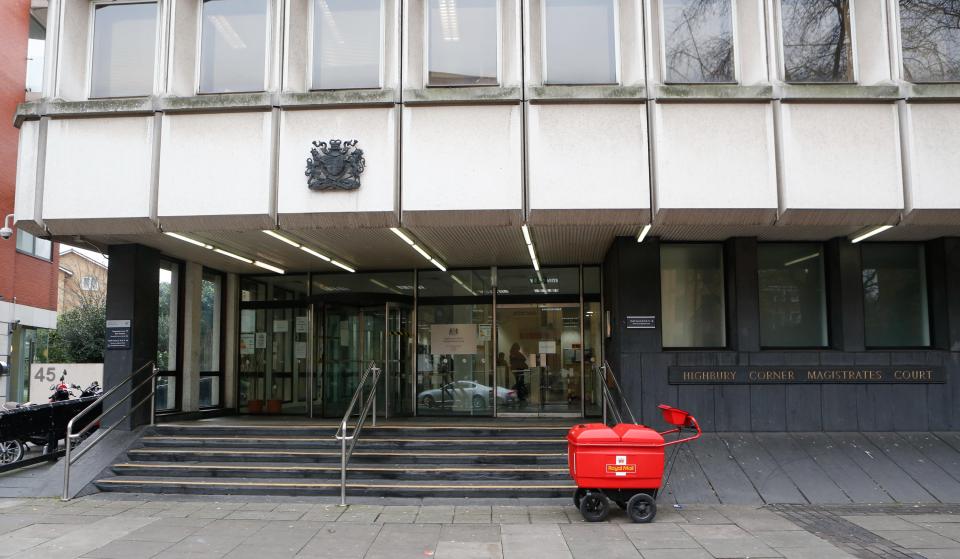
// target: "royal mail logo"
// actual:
[[621, 468]]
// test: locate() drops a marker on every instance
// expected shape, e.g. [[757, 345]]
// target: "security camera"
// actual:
[[6, 232]]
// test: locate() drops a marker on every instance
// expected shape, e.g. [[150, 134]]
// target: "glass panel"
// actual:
[[166, 395], [211, 296], [592, 338], [539, 357], [342, 358], [209, 391], [699, 41], [35, 46], [930, 36], [124, 42], [397, 283], [592, 57], [455, 283], [463, 42], [233, 50], [24, 241], [548, 281], [455, 361], [816, 40], [397, 360], [273, 288], [273, 360], [793, 305], [895, 296], [167, 320], [346, 44], [691, 286], [42, 248]]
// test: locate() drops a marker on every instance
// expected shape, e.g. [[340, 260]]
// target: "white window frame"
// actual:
[[91, 30], [426, 48], [267, 54], [89, 283], [897, 47], [735, 43], [312, 43], [618, 65], [781, 54]]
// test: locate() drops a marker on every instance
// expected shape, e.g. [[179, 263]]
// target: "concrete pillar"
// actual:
[[132, 295], [192, 294], [231, 335], [845, 295]]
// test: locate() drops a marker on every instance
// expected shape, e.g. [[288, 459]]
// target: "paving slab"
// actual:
[[729, 541], [723, 472], [129, 549], [397, 541], [341, 540], [875, 522], [932, 477], [919, 539], [605, 541], [533, 541], [894, 481], [765, 474], [659, 536]]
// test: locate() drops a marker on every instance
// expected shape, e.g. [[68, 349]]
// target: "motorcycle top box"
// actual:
[[620, 457]]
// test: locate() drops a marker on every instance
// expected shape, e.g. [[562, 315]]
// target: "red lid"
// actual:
[[592, 433], [637, 434]]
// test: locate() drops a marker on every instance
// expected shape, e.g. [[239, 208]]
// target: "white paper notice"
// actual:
[[453, 339], [303, 324], [281, 326], [300, 350], [548, 346], [261, 340]]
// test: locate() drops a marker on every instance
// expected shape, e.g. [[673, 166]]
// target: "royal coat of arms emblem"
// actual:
[[336, 166]]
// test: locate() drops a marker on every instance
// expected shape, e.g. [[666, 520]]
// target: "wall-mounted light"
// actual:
[[643, 232], [407, 238], [869, 232]]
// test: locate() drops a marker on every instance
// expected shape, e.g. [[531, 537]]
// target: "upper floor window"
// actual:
[[793, 299], [692, 295], [89, 283], [930, 38], [698, 41], [463, 42], [233, 49], [41, 248], [592, 57], [35, 47], [895, 295], [346, 44], [124, 45], [816, 41]]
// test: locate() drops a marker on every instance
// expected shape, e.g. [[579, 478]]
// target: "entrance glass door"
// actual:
[[274, 360], [540, 357]]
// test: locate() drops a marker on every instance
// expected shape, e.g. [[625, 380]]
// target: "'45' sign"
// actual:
[[48, 374]]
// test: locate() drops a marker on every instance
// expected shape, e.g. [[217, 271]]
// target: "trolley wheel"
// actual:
[[594, 507], [578, 496], [10, 451], [641, 508]]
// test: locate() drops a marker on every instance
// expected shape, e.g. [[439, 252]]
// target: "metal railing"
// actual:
[[68, 457], [612, 396], [371, 378]]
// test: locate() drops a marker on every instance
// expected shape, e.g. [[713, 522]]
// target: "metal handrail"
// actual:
[[69, 458], [346, 450], [611, 401]]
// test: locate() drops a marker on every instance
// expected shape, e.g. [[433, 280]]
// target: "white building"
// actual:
[[514, 150]]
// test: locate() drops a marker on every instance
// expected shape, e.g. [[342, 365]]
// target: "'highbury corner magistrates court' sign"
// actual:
[[901, 374]]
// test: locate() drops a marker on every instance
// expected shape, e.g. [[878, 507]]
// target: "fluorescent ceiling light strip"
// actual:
[[232, 255], [526, 234], [438, 265], [188, 240], [870, 233], [422, 252], [643, 233], [312, 252], [802, 259], [342, 265], [270, 267], [402, 235], [280, 237]]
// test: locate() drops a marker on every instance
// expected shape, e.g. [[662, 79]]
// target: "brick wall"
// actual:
[[31, 280]]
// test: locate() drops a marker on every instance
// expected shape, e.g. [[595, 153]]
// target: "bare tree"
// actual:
[[816, 40], [699, 41], [930, 32]]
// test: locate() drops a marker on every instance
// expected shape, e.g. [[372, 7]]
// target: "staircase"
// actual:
[[406, 459]]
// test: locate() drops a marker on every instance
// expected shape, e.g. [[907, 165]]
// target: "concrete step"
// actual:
[[368, 442], [360, 456], [315, 472], [355, 487], [433, 431]]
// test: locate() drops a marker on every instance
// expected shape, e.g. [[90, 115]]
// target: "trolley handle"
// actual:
[[695, 425]]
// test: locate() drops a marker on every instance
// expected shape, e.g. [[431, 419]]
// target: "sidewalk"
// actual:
[[104, 527]]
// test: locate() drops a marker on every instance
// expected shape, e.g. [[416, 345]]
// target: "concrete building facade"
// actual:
[[748, 207]]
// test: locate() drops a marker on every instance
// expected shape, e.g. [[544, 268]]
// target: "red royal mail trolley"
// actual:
[[623, 464]]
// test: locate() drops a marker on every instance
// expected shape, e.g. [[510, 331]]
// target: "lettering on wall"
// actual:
[[901, 374]]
